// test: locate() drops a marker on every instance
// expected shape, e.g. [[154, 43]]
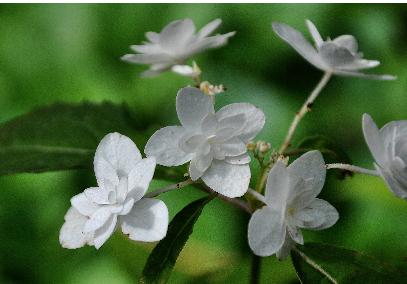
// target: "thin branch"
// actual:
[[306, 107], [256, 195], [169, 188], [233, 201], [352, 168], [315, 266]]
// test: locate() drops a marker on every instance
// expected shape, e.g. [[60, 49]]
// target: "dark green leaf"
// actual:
[[322, 263], [332, 152], [61, 136], [163, 257]]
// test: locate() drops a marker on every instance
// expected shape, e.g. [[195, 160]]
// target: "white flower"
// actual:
[[339, 56], [291, 204], [389, 149], [123, 178], [215, 143], [174, 45]]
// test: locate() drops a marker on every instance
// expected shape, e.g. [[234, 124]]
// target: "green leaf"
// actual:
[[322, 263], [163, 257], [331, 151], [61, 136]]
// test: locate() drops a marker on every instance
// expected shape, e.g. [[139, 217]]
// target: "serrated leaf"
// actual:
[[322, 263], [162, 259], [61, 136]]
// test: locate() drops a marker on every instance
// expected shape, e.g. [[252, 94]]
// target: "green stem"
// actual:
[[255, 271]]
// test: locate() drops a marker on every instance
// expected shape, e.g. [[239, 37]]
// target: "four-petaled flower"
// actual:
[[123, 178], [291, 203], [389, 149], [174, 45], [215, 143], [339, 56]]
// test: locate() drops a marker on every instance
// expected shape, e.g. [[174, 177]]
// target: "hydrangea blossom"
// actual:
[[291, 204], [174, 45], [123, 178], [389, 149], [215, 143], [339, 56]]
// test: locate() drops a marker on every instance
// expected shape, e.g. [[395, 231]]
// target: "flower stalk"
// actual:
[[171, 187], [352, 168], [306, 107]]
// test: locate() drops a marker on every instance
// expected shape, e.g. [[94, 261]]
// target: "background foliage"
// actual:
[[70, 53]]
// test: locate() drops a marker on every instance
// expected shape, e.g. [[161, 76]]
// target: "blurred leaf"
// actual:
[[330, 150], [61, 136], [322, 263], [164, 256]]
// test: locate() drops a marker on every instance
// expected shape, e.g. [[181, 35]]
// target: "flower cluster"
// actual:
[[214, 143], [339, 56], [123, 178], [171, 48], [389, 148], [217, 146]]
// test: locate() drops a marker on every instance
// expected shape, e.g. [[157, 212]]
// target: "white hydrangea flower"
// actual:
[[389, 149], [339, 56], [291, 204], [215, 143], [123, 178], [174, 45]]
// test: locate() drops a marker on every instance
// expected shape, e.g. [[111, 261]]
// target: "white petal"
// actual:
[[227, 179], [373, 139], [140, 178], [209, 28], [103, 233], [176, 34], [320, 215], [233, 147], [71, 235], [153, 37], [285, 250], [147, 221], [347, 41], [254, 118], [359, 64], [295, 234], [300, 44], [81, 203], [122, 190], [310, 167], [395, 186], [278, 187], [192, 107], [98, 219], [314, 33], [115, 156], [164, 146], [384, 77], [97, 195], [209, 124], [184, 70], [147, 58], [127, 206], [266, 231], [335, 56], [207, 43], [238, 160]]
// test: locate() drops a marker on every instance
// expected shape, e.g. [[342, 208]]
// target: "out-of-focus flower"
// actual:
[[174, 45], [291, 204], [389, 149], [215, 143], [339, 56], [123, 178]]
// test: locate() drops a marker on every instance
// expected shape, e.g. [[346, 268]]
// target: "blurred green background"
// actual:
[[71, 53]]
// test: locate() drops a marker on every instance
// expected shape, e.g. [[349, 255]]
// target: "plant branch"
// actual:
[[169, 188], [256, 195], [352, 168], [255, 271], [306, 107]]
